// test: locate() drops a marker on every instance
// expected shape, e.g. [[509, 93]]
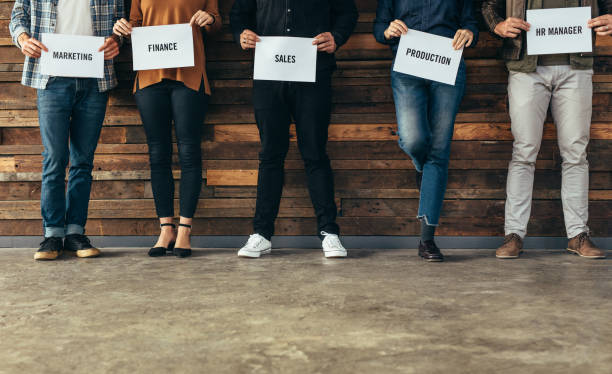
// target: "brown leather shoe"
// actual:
[[430, 251], [582, 245], [512, 247]]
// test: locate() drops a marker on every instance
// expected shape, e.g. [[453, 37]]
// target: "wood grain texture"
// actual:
[[375, 184]]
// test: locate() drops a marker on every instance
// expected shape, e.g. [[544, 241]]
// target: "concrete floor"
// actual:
[[295, 312]]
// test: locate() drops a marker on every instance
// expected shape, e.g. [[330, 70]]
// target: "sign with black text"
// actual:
[[428, 56], [162, 47], [282, 58], [562, 30], [74, 56]]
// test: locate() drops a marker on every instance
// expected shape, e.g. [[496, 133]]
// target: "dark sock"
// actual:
[[427, 231]]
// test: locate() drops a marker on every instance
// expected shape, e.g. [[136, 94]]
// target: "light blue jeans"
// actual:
[[426, 112], [70, 112]]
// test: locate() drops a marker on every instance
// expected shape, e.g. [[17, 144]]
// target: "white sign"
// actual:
[[280, 58], [559, 31], [74, 56], [162, 47], [428, 56]]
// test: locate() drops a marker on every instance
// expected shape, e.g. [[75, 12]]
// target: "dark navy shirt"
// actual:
[[440, 17]]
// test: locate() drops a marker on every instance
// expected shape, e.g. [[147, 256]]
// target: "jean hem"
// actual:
[[577, 232], [72, 228], [520, 233], [424, 217], [55, 232]]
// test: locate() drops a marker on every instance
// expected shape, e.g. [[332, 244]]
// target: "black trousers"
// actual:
[[309, 104], [159, 105]]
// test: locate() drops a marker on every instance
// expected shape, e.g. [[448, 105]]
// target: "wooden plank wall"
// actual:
[[375, 184]]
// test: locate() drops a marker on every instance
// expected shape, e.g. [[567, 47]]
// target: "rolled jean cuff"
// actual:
[[74, 229], [424, 218], [55, 232]]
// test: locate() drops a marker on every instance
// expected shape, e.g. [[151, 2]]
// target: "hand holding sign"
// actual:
[[325, 42], [202, 18], [30, 46], [463, 38], [248, 39], [396, 29], [511, 27], [602, 25], [122, 27], [110, 48]]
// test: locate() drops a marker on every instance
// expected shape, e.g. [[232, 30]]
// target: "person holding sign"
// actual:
[[178, 95], [330, 23], [563, 82], [70, 112], [426, 109]]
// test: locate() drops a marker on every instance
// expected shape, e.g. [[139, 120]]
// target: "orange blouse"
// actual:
[[170, 12]]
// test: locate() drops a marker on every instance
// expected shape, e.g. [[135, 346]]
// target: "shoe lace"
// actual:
[[83, 239], [332, 239], [511, 237], [46, 241], [582, 238], [253, 241]]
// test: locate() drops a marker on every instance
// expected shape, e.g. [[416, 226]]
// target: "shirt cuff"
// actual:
[[17, 33]]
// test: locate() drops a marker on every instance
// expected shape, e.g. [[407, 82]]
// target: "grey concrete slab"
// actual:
[[296, 312]]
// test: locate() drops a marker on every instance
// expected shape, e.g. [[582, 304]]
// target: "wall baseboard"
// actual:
[[355, 242]]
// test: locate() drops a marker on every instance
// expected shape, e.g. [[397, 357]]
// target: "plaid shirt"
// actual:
[[35, 17]]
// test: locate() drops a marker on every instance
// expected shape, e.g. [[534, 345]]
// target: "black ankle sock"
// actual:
[[427, 231]]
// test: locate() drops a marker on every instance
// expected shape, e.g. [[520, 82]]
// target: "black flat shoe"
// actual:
[[429, 251], [182, 252], [161, 251]]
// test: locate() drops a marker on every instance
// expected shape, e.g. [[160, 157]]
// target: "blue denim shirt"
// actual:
[[440, 17]]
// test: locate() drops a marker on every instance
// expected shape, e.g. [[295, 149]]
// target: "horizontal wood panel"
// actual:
[[375, 181], [306, 226]]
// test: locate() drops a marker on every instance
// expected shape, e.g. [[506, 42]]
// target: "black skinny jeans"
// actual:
[[159, 105], [310, 106]]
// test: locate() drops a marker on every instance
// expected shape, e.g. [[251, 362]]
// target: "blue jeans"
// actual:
[[70, 112], [426, 112]]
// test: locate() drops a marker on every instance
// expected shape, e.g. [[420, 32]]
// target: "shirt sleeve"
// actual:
[[212, 8], [468, 20], [136, 14], [344, 20], [605, 7], [493, 13], [384, 16], [242, 17], [20, 20]]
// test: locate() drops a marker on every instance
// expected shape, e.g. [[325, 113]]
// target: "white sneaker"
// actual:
[[256, 246], [332, 247]]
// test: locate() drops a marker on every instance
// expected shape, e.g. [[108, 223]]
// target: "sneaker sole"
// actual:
[[583, 256], [335, 254], [46, 256], [88, 253], [252, 254]]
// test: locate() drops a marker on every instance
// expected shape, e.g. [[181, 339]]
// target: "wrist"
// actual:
[[22, 38]]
